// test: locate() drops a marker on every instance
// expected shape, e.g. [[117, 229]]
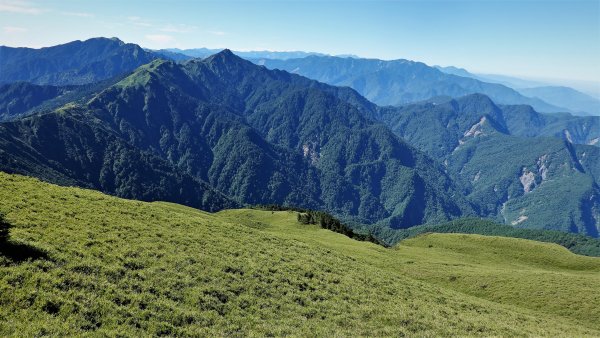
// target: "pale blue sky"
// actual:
[[537, 39]]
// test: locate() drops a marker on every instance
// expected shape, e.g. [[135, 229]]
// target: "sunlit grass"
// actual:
[[120, 267]]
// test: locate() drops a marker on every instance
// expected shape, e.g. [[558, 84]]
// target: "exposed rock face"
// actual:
[[567, 135], [476, 129], [542, 168], [519, 220], [527, 180], [310, 151]]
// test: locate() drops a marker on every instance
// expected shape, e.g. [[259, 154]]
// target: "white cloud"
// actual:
[[20, 7], [181, 28], [13, 29], [78, 14], [136, 20], [160, 38], [218, 33]]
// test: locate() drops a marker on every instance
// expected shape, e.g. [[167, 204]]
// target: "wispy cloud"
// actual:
[[160, 38], [13, 29], [218, 33], [20, 7], [78, 14], [138, 21], [180, 28]]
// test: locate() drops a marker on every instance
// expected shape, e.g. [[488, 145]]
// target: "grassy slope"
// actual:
[[125, 267], [576, 243]]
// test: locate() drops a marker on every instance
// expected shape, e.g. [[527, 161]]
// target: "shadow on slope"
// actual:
[[17, 252]]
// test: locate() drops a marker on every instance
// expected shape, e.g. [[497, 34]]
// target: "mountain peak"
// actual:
[[224, 55], [103, 40], [478, 100], [226, 52], [227, 60]]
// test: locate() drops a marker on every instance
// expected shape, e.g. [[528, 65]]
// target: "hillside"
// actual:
[[583, 245], [162, 269], [437, 125], [509, 168], [19, 97]]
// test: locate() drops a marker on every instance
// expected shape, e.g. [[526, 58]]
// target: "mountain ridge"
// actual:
[[73, 63], [227, 122]]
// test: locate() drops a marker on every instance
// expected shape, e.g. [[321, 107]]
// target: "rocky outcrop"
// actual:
[[527, 180]]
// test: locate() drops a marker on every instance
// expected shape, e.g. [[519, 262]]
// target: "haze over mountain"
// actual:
[[276, 55], [541, 96], [399, 81], [509, 81], [575, 101]]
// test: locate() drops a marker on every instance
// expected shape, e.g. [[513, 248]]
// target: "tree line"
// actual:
[[324, 220]]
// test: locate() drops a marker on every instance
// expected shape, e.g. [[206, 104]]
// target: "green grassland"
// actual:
[[83, 263], [576, 243]]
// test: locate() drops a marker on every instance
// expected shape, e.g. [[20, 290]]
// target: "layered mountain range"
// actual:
[[399, 82], [574, 100], [220, 132]]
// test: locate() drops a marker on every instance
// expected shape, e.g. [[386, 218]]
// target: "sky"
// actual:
[[555, 40]]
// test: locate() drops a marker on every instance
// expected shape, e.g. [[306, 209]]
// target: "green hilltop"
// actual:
[[79, 262]]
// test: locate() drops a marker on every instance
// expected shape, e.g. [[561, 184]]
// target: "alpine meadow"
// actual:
[[313, 169]]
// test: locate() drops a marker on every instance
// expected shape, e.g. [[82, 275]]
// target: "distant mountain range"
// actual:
[[221, 131], [575, 101], [509, 81], [399, 82], [383, 82], [205, 52]]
